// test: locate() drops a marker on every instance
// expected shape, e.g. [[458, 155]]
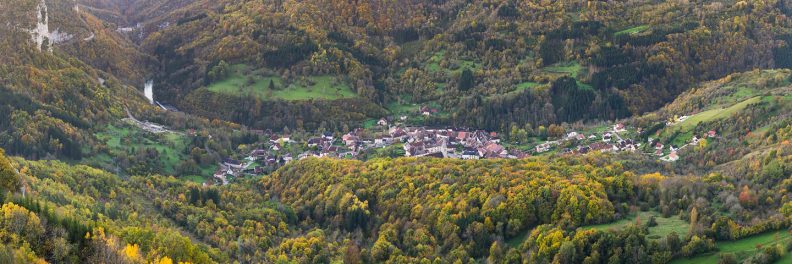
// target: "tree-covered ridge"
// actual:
[[488, 64], [427, 208], [746, 111]]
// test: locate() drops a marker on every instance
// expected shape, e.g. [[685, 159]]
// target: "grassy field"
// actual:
[[585, 86], [742, 248], [466, 64], [434, 61], [633, 30], [370, 123], [570, 68], [433, 64], [714, 114], [246, 82], [526, 85], [171, 147], [664, 226], [405, 109], [411, 48]]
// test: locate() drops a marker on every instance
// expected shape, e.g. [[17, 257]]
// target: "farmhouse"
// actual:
[[542, 148]]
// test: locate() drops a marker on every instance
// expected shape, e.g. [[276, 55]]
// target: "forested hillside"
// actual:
[[272, 131], [404, 210], [50, 100], [485, 63]]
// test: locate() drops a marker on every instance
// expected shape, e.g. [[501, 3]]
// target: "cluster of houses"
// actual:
[[459, 143], [609, 141], [416, 141], [673, 155], [451, 143]]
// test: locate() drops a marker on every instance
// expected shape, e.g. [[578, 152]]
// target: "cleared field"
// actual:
[[714, 114], [742, 248], [664, 225], [433, 64], [406, 109], [526, 85], [169, 148], [245, 82], [122, 140], [570, 68], [434, 61], [370, 123], [633, 30]]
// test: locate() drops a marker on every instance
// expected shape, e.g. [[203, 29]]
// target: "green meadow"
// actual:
[[664, 227], [247, 82], [743, 248]]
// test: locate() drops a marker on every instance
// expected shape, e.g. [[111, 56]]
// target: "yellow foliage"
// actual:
[[165, 260], [132, 252], [651, 179]]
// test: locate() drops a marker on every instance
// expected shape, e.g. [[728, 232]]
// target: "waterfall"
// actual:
[[149, 91]]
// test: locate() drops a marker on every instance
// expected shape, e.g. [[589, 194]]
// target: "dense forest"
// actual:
[[483, 64], [85, 176], [389, 210], [468, 58]]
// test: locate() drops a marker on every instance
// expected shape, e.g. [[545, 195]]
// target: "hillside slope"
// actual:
[[56, 90], [484, 64]]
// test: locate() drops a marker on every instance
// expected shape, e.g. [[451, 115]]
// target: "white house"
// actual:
[[469, 154], [542, 148]]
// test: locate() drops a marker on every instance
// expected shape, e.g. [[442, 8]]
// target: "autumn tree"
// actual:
[[9, 180]]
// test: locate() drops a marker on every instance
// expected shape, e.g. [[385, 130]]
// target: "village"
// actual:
[[458, 143], [446, 142]]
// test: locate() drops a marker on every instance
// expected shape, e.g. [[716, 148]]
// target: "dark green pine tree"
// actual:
[[466, 80]]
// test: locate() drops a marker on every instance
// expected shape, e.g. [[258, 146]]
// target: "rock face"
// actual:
[[41, 34]]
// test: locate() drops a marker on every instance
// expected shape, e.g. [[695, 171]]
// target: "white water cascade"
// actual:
[[149, 91]]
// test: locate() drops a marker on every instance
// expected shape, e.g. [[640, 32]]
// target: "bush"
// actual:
[[652, 222]]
